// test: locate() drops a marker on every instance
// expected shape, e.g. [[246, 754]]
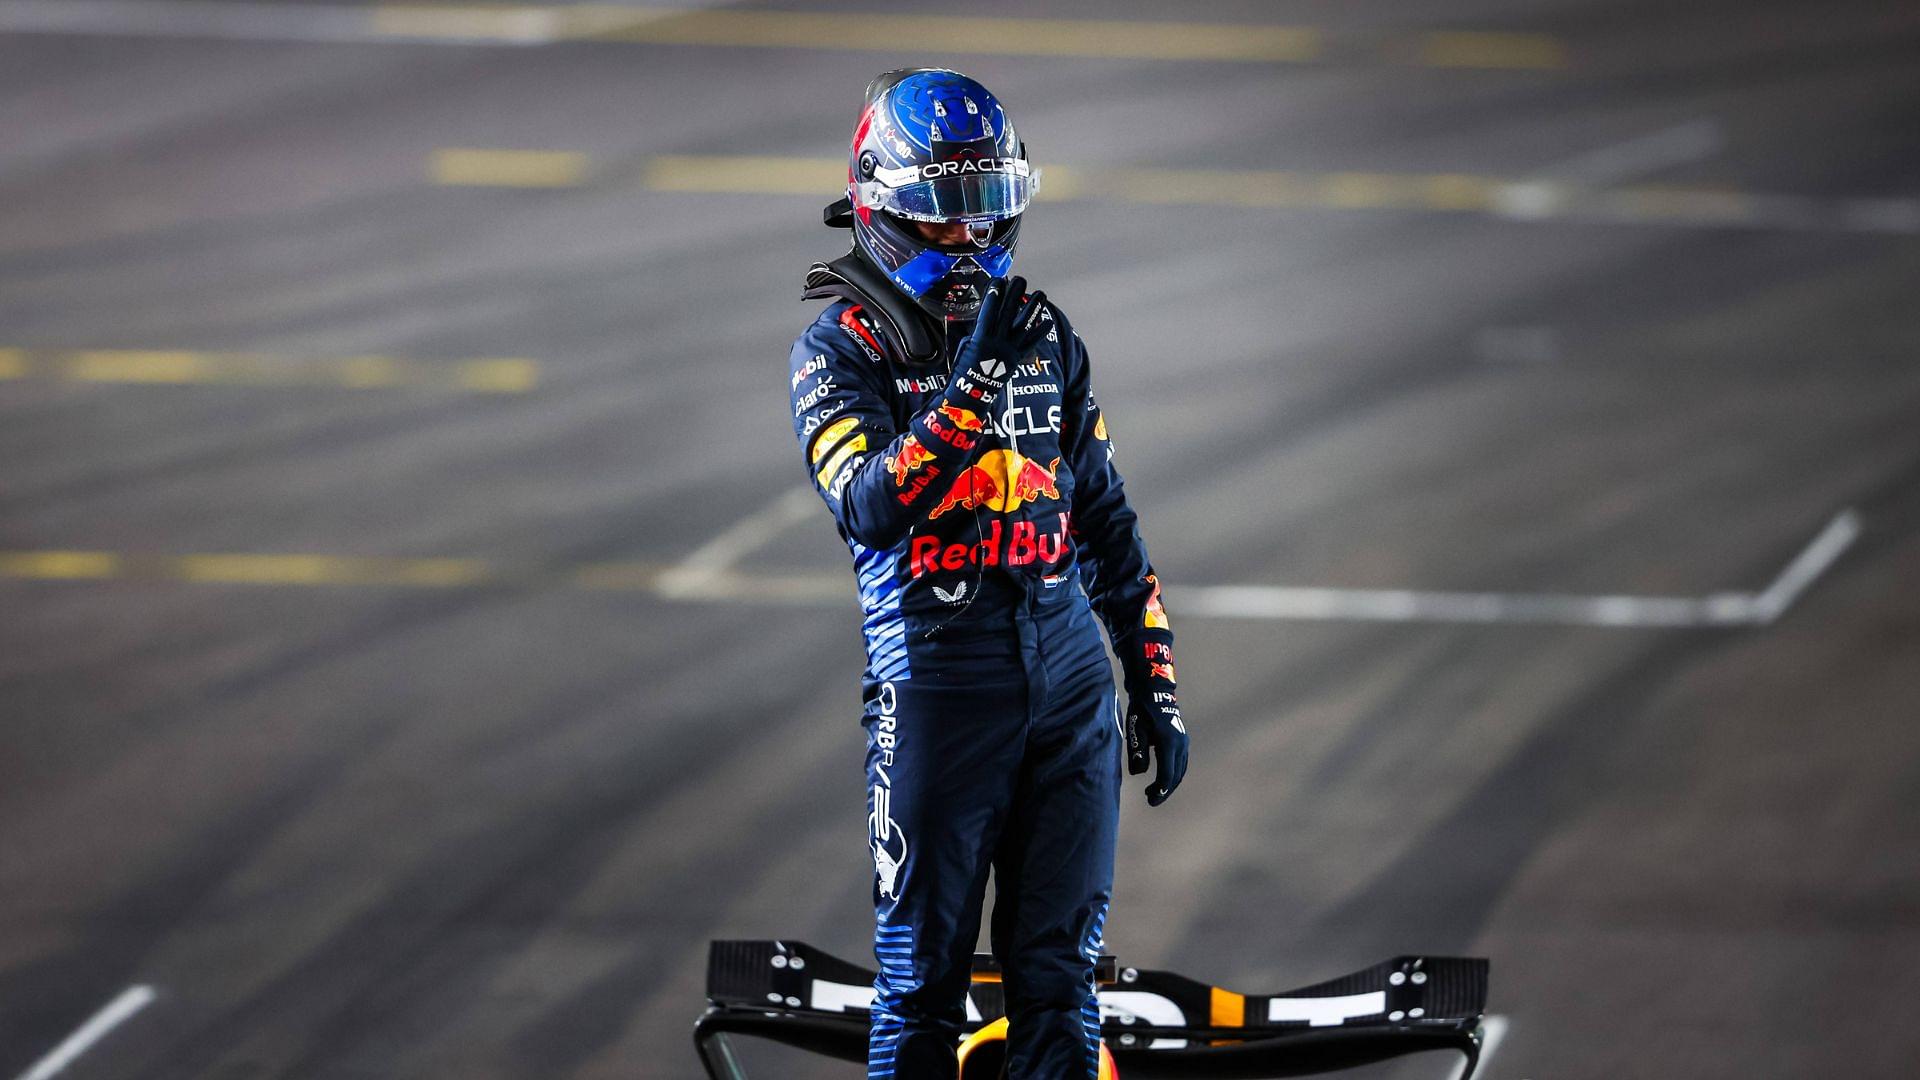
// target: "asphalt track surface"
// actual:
[[429, 798]]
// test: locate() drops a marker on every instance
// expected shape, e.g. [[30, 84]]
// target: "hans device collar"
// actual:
[[908, 330]]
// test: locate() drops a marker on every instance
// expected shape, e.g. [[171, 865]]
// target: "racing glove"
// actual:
[[1007, 330], [1153, 713]]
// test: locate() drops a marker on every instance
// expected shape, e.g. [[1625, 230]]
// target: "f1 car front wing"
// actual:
[[1156, 1023]]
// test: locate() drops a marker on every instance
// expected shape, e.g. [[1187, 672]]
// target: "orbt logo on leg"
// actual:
[[889, 844], [884, 835]]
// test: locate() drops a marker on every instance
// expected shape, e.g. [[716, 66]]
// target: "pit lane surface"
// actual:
[[346, 707]]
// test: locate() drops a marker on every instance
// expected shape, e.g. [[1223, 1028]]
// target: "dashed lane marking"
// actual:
[[254, 569], [1539, 199], [508, 168], [707, 576], [59, 565], [533, 25], [111, 1015], [1480, 49], [492, 375], [892, 33]]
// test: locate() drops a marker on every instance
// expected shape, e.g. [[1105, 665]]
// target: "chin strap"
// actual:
[[910, 331]]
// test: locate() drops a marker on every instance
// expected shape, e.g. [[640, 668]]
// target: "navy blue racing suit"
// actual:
[[988, 543]]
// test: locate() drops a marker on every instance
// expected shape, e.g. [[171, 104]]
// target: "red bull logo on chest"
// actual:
[[1002, 481], [1018, 543]]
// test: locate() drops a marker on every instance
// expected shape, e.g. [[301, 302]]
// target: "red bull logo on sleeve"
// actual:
[[944, 430], [921, 482], [1159, 658], [912, 455], [975, 487], [961, 418], [1156, 615]]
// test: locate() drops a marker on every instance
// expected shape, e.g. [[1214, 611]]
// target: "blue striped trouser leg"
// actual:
[[942, 762], [1053, 881]]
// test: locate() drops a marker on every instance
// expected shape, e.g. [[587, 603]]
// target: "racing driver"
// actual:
[[946, 417]]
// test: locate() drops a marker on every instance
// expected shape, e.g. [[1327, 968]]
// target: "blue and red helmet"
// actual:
[[933, 145]]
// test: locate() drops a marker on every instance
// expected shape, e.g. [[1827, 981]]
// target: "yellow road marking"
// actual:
[[446, 22], [489, 375], [58, 565], [716, 582], [369, 371], [1195, 187], [318, 570], [143, 366], [1506, 197], [920, 33], [1465, 49], [504, 376], [329, 570], [508, 168], [485, 23], [893, 33]]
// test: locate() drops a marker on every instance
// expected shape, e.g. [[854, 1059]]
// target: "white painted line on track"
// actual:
[[1814, 560], [1405, 605], [1277, 602], [1638, 158], [1492, 1030], [706, 569], [112, 1015], [708, 575]]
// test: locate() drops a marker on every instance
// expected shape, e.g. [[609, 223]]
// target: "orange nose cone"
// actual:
[[1108, 1070], [984, 1051]]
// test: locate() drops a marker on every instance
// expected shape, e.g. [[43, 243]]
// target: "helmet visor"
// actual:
[[998, 190]]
